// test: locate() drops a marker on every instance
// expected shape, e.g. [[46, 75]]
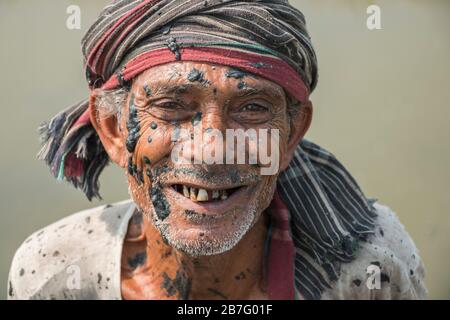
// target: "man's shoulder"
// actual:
[[47, 258], [386, 266]]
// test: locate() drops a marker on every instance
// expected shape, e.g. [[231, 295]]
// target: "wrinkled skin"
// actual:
[[176, 248]]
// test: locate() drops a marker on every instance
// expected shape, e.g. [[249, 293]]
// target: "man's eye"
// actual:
[[254, 108], [169, 106]]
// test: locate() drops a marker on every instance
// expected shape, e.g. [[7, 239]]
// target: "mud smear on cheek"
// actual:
[[160, 203], [134, 171], [133, 127]]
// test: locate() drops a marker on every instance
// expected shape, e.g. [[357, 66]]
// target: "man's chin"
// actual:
[[212, 237]]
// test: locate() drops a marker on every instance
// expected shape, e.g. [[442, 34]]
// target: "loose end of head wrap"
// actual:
[[72, 149]]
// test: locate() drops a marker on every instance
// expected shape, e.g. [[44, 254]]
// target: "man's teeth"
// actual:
[[193, 194], [202, 195], [186, 192], [223, 195]]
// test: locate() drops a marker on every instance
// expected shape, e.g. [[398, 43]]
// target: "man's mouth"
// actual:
[[198, 194]]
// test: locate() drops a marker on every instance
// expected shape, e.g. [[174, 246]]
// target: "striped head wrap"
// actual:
[[266, 38]]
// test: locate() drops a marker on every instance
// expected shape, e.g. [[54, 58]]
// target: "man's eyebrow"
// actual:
[[248, 90], [165, 88]]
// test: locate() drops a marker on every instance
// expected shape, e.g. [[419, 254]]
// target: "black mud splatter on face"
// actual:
[[149, 139], [134, 171], [160, 203], [137, 260], [197, 118], [147, 161], [154, 125], [196, 75], [148, 91], [181, 285], [140, 176], [241, 85], [235, 73], [174, 47], [218, 293], [133, 127], [130, 166], [181, 89]]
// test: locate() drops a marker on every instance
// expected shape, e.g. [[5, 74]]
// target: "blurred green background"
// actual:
[[382, 106]]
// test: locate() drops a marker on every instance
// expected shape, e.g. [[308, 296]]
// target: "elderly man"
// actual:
[[164, 74]]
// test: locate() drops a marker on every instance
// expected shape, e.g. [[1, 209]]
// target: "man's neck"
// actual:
[[235, 274]]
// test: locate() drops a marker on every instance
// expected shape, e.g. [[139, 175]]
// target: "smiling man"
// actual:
[[177, 88]]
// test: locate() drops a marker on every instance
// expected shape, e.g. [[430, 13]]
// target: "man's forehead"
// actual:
[[183, 77]]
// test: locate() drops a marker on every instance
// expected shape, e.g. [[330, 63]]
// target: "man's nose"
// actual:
[[214, 117], [213, 144]]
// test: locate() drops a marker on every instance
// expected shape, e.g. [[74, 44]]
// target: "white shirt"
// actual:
[[79, 257]]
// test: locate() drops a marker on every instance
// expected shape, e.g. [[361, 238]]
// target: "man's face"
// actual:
[[199, 208]]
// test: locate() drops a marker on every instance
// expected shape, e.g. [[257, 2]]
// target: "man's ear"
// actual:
[[107, 128], [299, 126]]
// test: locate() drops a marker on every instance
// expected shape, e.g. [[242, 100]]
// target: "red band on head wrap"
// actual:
[[271, 68]]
